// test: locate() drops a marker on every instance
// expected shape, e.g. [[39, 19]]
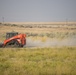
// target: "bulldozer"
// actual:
[[14, 39]]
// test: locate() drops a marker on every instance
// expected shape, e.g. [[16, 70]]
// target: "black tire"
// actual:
[[13, 43], [1, 45]]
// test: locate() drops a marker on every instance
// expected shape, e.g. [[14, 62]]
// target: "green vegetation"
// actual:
[[38, 61], [53, 34]]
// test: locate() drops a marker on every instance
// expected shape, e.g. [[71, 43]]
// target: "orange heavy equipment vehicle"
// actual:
[[13, 39]]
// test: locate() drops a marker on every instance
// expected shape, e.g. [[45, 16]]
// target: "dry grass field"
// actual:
[[39, 58], [38, 61], [51, 30]]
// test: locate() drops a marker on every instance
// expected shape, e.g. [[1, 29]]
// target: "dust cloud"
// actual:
[[50, 42]]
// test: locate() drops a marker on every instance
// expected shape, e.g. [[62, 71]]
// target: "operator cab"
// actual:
[[11, 34]]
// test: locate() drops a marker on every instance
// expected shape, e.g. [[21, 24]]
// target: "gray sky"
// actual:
[[37, 10]]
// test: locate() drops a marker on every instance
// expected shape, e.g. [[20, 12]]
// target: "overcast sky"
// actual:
[[37, 10]]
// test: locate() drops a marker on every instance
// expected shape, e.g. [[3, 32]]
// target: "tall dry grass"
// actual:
[[38, 61]]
